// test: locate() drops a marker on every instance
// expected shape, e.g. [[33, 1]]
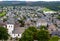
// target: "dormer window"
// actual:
[[9, 26], [18, 34]]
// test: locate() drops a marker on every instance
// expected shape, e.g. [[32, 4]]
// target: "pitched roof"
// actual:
[[18, 30], [52, 26]]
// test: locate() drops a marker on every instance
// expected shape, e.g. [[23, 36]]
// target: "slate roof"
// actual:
[[18, 30], [55, 33]]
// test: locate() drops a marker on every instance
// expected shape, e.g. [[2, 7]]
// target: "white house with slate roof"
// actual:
[[41, 22], [10, 28]]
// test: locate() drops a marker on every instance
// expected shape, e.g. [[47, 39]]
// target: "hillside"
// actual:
[[50, 5]]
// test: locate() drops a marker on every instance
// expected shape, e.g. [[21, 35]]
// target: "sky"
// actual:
[[29, 0]]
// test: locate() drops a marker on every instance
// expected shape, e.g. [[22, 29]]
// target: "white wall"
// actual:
[[16, 35], [39, 24], [10, 28]]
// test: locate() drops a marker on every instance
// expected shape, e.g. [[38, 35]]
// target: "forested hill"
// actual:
[[52, 5]]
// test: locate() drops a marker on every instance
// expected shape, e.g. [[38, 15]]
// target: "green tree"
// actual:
[[4, 19], [43, 35], [42, 27], [22, 22], [32, 28], [54, 38], [27, 36], [30, 34], [3, 33], [34, 31]]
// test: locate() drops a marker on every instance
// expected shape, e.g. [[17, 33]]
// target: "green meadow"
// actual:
[[2, 14]]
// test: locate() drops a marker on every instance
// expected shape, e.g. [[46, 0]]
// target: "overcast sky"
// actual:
[[29, 0]]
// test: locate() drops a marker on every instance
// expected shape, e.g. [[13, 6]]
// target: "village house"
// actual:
[[15, 31], [41, 22], [51, 28], [58, 23]]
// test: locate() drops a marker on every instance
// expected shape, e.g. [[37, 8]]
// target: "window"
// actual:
[[9, 26], [18, 34]]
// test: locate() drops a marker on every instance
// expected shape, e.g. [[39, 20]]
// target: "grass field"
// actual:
[[2, 14], [46, 9]]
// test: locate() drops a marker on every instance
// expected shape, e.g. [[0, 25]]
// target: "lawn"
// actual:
[[46, 9], [54, 38], [2, 14]]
